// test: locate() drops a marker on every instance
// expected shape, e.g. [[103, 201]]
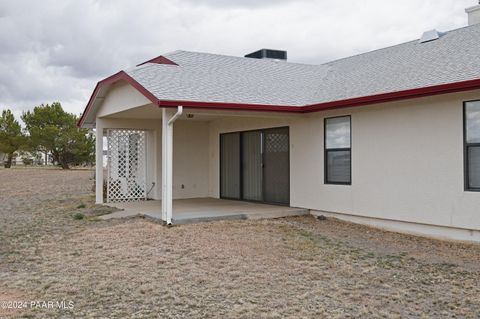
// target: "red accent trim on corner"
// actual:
[[396, 96], [232, 106], [122, 75], [159, 60]]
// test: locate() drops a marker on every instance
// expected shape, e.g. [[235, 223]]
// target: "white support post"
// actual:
[[164, 163], [99, 164], [168, 118], [169, 158]]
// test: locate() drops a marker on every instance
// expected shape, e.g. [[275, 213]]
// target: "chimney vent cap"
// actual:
[[473, 14]]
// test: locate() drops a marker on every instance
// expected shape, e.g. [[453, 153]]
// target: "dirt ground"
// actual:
[[293, 267]]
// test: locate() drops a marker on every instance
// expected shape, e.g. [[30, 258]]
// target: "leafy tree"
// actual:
[[11, 137], [53, 130]]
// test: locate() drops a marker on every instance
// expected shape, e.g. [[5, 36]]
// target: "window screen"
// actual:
[[472, 145], [338, 150]]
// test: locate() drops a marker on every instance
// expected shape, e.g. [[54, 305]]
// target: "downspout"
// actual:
[[176, 115], [170, 150]]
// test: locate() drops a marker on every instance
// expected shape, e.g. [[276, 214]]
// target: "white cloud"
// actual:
[[58, 50]]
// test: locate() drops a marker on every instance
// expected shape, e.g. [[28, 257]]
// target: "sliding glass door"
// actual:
[[230, 165], [252, 162], [277, 165], [254, 165]]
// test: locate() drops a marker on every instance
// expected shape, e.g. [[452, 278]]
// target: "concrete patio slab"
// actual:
[[195, 210]]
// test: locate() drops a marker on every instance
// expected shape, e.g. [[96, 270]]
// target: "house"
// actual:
[[26, 158], [389, 138]]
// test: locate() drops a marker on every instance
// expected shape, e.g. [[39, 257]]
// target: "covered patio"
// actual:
[[173, 163], [195, 210]]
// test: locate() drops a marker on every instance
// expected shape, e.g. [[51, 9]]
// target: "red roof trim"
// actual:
[[110, 80], [354, 102], [396, 96], [159, 60]]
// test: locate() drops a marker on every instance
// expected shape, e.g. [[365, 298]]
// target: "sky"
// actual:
[[58, 50]]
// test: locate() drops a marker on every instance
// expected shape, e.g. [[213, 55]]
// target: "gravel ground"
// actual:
[[292, 267]]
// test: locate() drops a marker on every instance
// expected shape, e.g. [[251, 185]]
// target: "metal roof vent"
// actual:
[[268, 54], [428, 36]]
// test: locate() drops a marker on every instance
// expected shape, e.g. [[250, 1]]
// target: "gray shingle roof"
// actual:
[[205, 77]]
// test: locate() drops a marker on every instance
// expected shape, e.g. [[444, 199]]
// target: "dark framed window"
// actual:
[[338, 150], [471, 129]]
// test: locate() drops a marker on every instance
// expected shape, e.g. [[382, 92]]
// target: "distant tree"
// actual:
[[55, 131], [11, 137]]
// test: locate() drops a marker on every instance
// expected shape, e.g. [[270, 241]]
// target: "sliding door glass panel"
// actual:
[[252, 165], [230, 165], [276, 175]]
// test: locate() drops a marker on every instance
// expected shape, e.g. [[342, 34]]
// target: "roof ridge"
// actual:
[[408, 71], [368, 52], [328, 63], [396, 45], [241, 57]]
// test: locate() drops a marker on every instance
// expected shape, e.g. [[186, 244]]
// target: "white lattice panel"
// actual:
[[126, 166]]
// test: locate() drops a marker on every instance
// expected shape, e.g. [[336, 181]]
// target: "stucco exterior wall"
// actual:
[[121, 97], [190, 159], [407, 162], [190, 155]]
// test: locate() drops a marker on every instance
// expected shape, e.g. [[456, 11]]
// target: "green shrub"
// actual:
[[82, 205], [78, 216]]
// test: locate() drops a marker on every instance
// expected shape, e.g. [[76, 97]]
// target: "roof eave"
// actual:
[[352, 102], [122, 75], [231, 106], [396, 96]]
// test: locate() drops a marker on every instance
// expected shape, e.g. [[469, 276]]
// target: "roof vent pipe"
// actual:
[[473, 14]]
